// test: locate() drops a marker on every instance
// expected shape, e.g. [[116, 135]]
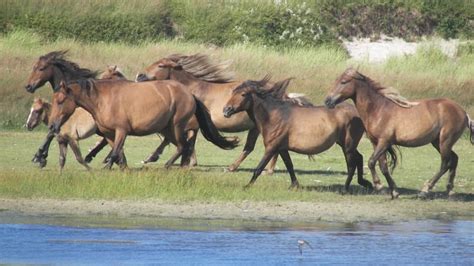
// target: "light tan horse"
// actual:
[[392, 120], [122, 108], [80, 125], [212, 83], [306, 130]]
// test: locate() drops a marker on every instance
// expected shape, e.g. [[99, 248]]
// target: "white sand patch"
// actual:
[[386, 47]]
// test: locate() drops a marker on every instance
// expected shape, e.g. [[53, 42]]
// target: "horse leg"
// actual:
[[252, 137], [446, 155], [359, 161], [117, 144], [375, 177], [182, 146], [385, 171], [192, 136], [270, 169], [379, 152], [62, 153], [42, 153], [77, 152], [453, 164], [289, 166], [156, 154], [269, 153], [93, 152]]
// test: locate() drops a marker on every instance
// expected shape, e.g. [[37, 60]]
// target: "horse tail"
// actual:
[[393, 162], [209, 130], [470, 125]]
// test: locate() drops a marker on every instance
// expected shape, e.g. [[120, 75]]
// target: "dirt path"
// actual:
[[384, 211]]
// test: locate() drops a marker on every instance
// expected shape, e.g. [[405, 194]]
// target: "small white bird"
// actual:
[[301, 243]]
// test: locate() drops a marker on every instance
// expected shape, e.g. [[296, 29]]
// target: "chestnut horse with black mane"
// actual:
[[53, 68], [212, 83], [392, 120], [122, 108], [306, 130]]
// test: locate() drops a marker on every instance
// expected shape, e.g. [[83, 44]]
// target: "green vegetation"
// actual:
[[427, 74], [272, 23], [323, 179]]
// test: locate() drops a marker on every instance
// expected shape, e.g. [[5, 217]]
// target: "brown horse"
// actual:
[[53, 68], [122, 108], [212, 84], [114, 73], [307, 130], [79, 126], [392, 120]]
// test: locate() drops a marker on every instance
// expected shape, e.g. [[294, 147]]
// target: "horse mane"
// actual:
[[390, 93], [276, 92], [58, 58], [202, 67]]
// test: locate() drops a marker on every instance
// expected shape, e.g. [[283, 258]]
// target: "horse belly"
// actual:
[[416, 136], [311, 143]]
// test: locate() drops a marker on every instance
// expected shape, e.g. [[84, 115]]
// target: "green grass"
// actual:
[[323, 179]]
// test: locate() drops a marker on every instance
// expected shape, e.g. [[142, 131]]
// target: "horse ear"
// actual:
[[60, 97], [279, 89], [265, 80], [114, 67]]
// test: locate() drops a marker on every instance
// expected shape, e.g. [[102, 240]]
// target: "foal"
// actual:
[[392, 120], [79, 126], [307, 130]]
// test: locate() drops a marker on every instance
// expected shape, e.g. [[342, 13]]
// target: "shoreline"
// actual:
[[286, 212]]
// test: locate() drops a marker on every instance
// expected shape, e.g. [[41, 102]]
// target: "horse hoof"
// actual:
[[230, 169], [267, 172], [451, 195], [294, 186], [88, 159], [395, 194], [423, 195], [42, 163], [378, 187]]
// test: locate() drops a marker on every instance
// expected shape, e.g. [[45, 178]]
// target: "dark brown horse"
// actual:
[[212, 83], [53, 68], [122, 108], [306, 130], [392, 120]]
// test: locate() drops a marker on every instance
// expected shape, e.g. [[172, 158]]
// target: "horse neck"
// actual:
[[369, 103], [61, 74], [183, 77], [86, 101], [46, 113], [259, 110]]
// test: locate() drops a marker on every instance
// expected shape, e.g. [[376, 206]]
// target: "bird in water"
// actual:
[[301, 243]]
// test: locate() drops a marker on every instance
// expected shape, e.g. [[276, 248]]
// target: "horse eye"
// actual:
[[344, 81]]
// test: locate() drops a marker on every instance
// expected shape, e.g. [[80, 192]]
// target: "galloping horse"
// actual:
[[80, 124], [122, 108], [307, 130], [391, 120], [114, 73], [212, 84], [53, 68]]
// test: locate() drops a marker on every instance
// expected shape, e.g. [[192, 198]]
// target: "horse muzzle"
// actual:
[[141, 77], [228, 111], [30, 88], [330, 102]]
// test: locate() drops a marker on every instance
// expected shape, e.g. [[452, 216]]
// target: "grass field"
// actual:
[[322, 180]]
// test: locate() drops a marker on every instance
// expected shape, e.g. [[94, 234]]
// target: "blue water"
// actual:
[[420, 242]]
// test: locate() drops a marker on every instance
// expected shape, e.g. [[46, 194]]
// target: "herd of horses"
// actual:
[[179, 95]]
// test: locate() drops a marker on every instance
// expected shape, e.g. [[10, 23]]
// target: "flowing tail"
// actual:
[[470, 125], [209, 130], [392, 151]]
